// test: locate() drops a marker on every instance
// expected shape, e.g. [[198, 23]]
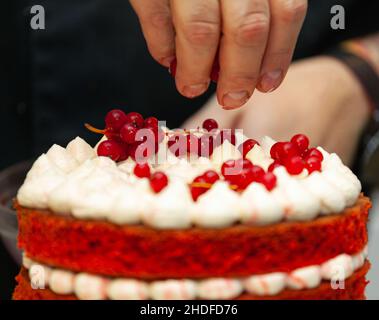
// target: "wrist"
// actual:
[[366, 48]]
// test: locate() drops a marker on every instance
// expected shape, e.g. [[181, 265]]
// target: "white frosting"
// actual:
[[89, 287], [217, 288], [304, 278], [258, 156], [266, 285], [341, 266], [127, 289], [170, 208], [61, 281], [80, 150], [74, 181], [217, 208], [86, 286], [224, 152], [303, 205], [260, 206], [173, 290]]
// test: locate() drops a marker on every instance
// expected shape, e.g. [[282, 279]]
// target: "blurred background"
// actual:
[[92, 57]]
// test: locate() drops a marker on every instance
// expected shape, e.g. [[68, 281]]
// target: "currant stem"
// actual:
[[209, 185], [93, 129]]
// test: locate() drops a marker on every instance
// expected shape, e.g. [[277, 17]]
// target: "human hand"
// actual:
[[319, 97], [255, 40]]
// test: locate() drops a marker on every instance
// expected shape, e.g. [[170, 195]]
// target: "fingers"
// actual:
[[246, 26], [157, 27], [287, 17], [197, 26]]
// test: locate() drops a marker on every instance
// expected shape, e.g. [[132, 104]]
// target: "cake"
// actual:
[[153, 213]]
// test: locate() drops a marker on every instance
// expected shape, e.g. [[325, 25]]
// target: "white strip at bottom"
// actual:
[[91, 287]]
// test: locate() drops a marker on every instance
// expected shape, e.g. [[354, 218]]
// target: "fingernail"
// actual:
[[270, 80], [235, 99], [167, 61], [195, 90]]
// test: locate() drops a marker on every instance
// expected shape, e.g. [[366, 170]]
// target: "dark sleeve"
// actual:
[[317, 35]]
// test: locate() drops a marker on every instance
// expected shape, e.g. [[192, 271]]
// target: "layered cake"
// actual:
[[153, 213]]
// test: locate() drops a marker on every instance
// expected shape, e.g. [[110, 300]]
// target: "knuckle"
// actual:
[[253, 30], [159, 20], [293, 10], [203, 33]]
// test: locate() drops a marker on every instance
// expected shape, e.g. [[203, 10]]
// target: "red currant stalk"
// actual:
[[95, 130]]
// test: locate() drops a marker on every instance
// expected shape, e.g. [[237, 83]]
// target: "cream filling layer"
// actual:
[[73, 180], [91, 287]]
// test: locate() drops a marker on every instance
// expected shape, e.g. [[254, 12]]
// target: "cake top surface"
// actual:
[[156, 176]]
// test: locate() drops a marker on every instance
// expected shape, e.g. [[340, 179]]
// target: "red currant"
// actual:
[[150, 122], [125, 152], [112, 135], [196, 192], [269, 180], [313, 152], [256, 173], [142, 170], [115, 119], [215, 69], [274, 151], [287, 150], [158, 181], [210, 124], [227, 167], [211, 176], [273, 166], [294, 165], [172, 68], [156, 132], [246, 146], [177, 145], [128, 133], [301, 141], [313, 164], [243, 163], [242, 180], [192, 144], [226, 134], [141, 151], [111, 149], [135, 118]]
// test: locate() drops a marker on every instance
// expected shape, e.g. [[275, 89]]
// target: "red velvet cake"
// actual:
[[151, 213]]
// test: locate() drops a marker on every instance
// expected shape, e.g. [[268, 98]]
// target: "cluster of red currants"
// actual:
[[183, 144], [238, 173], [296, 155], [122, 131], [158, 180]]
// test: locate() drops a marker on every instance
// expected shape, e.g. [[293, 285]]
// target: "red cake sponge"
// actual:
[[101, 247]]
